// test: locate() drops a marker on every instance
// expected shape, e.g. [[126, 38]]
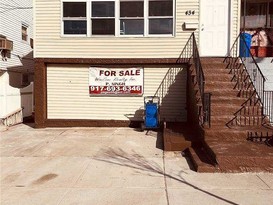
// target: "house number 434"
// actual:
[[190, 12]]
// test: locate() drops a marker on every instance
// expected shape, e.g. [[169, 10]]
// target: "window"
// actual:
[[118, 17], [31, 43], [24, 32], [103, 18], [74, 18], [160, 17], [131, 17]]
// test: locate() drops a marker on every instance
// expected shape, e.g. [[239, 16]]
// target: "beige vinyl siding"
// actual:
[[50, 43], [236, 17], [68, 95]]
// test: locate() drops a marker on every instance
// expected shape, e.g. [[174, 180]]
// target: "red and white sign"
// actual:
[[115, 81]]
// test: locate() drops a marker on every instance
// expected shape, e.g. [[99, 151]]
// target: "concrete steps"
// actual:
[[236, 114], [175, 139], [242, 156], [201, 161]]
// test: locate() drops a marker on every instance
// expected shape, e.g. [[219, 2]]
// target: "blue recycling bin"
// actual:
[[151, 115], [245, 44]]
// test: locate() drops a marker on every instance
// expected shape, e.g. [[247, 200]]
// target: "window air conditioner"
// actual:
[[6, 44]]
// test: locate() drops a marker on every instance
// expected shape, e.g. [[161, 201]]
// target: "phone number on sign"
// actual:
[[115, 89]]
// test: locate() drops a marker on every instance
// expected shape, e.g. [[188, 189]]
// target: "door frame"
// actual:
[[229, 29]]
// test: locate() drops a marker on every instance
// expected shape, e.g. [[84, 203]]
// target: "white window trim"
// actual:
[[72, 18], [117, 20], [133, 18], [89, 18]]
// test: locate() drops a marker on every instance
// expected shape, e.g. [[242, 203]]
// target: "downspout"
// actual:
[[244, 23]]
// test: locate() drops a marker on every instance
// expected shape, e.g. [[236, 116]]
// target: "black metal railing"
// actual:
[[198, 67], [268, 104], [190, 54], [256, 77]]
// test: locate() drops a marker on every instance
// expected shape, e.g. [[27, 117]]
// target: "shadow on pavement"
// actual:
[[138, 162]]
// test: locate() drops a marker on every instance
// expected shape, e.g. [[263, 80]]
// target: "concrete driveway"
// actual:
[[112, 166]]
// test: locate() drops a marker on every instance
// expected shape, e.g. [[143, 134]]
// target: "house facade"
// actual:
[[96, 60], [16, 61]]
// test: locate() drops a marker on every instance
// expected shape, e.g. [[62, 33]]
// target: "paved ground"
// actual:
[[112, 166]]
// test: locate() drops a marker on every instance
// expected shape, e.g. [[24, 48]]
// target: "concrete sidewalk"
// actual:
[[112, 166]]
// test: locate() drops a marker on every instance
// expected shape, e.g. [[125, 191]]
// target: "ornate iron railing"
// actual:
[[255, 75], [190, 54]]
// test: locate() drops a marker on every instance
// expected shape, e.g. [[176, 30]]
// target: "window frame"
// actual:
[[118, 19], [132, 18], [63, 19], [24, 34], [161, 17], [90, 19]]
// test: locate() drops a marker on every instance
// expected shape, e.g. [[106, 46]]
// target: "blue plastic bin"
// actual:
[[245, 46], [151, 115]]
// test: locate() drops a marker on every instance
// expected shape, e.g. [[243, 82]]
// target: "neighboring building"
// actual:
[[16, 62], [257, 19], [74, 38]]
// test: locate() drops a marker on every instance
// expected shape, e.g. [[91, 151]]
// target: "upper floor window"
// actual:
[[24, 33], [103, 18], [118, 17], [160, 17], [74, 18], [131, 17]]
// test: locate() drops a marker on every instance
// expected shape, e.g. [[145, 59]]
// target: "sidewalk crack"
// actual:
[[73, 183], [263, 181], [165, 180]]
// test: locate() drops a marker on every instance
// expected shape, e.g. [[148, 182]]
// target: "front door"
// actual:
[[214, 27]]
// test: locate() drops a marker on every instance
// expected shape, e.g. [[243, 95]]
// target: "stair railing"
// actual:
[[12, 118], [256, 76], [190, 54], [268, 105]]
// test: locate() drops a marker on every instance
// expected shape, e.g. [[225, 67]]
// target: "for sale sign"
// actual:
[[115, 81]]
